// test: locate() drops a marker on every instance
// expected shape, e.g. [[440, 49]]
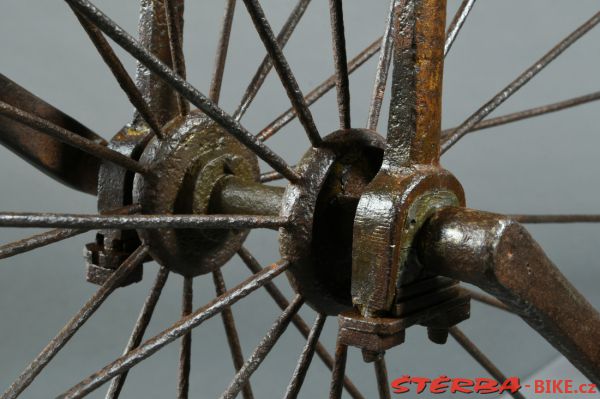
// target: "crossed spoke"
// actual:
[[116, 385], [50, 237], [517, 84], [70, 138], [67, 332], [96, 25], [266, 65], [152, 345], [129, 44], [283, 70], [120, 74]]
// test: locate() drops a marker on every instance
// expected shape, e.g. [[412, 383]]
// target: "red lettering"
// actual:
[[486, 385], [461, 385], [512, 385], [398, 383], [439, 385], [538, 387], [421, 383], [569, 386], [556, 386]]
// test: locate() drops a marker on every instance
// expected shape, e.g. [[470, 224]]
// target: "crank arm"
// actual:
[[498, 255]]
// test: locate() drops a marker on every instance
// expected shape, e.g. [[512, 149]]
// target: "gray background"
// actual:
[[544, 165]]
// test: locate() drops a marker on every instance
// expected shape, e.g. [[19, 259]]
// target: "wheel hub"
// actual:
[[184, 169], [318, 241]]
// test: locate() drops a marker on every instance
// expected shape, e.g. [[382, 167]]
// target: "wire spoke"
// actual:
[[70, 138], [528, 113], [265, 67], [129, 44], [482, 359], [270, 176], [339, 369], [185, 352], [487, 299], [300, 324], [263, 349], [37, 241], [12, 219], [116, 385], [50, 237], [318, 91], [556, 218], [67, 332], [383, 67], [232, 335], [184, 325], [305, 358], [283, 70], [382, 377], [457, 23], [214, 93], [175, 38], [341, 63], [120, 74], [519, 82]]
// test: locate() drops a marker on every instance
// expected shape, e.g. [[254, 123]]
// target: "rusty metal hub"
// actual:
[[183, 171], [318, 241]]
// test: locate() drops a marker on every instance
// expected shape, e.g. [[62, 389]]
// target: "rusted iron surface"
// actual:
[[262, 350], [139, 329], [120, 74], [305, 358], [184, 171], [339, 368], [498, 255], [216, 82], [236, 196], [518, 83], [68, 165], [132, 46], [410, 183], [319, 91], [416, 103], [154, 37], [342, 83], [298, 322], [152, 345], [67, 332], [266, 65], [231, 331], [282, 68], [318, 240], [383, 66], [65, 220], [89, 147], [481, 358], [382, 378], [185, 349], [528, 113], [371, 230], [113, 246], [457, 22]]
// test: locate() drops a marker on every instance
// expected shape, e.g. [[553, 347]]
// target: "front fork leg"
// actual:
[[498, 255]]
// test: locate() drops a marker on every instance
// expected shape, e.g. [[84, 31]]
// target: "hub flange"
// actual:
[[318, 242], [184, 170]]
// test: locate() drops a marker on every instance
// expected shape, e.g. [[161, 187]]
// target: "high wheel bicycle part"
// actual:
[[372, 230]]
